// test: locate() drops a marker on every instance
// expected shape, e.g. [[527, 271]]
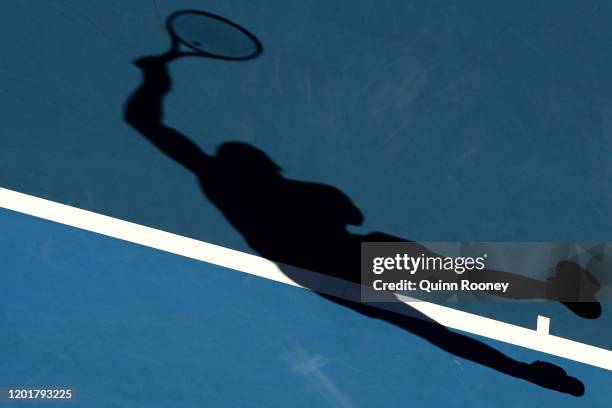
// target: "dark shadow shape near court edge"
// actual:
[[303, 224]]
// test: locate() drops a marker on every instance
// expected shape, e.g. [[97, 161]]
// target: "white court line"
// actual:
[[255, 265], [543, 325]]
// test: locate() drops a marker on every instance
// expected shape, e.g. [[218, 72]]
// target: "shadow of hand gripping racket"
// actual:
[[291, 222]]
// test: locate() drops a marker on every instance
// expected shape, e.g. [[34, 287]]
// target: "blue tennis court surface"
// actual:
[[445, 121], [129, 326]]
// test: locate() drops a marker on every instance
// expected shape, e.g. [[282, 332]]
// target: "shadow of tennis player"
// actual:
[[304, 225]]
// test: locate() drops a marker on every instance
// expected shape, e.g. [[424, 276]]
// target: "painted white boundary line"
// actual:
[[543, 325], [255, 265]]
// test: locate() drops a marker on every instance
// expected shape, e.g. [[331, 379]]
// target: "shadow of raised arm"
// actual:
[[144, 112]]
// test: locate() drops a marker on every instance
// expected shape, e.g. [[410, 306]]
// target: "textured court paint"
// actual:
[[130, 326], [260, 267], [478, 120]]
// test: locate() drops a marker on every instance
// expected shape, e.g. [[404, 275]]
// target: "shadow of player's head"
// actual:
[[248, 160]]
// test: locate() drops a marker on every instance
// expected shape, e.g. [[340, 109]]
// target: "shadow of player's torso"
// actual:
[[293, 222]]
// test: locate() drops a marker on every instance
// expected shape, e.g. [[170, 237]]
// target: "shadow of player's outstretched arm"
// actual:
[[144, 113]]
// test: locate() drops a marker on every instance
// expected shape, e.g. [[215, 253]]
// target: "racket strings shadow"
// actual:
[[209, 35]]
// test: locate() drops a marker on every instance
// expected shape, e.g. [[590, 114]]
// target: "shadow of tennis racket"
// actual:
[[199, 33]]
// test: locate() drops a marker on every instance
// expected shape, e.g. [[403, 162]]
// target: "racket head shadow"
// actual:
[[213, 36]]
